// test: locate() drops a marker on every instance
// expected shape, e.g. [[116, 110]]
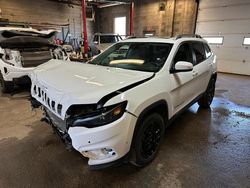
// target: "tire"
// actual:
[[7, 87], [207, 98], [148, 139]]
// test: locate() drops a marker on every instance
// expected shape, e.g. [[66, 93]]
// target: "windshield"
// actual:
[[149, 57]]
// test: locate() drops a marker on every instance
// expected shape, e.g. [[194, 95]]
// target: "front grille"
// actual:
[[57, 122], [35, 58], [46, 100]]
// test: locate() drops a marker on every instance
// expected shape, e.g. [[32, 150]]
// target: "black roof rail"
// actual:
[[187, 35]]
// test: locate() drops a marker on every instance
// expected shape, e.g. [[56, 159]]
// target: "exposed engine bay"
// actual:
[[28, 49]]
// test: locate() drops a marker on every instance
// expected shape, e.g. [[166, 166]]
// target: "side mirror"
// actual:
[[95, 42], [183, 66]]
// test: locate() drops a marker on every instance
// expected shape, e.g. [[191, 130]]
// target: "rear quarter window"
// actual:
[[199, 52], [108, 39], [207, 50]]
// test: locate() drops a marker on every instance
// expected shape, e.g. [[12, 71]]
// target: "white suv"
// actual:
[[118, 105]]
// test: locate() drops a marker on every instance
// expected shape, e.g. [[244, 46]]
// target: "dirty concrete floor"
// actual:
[[203, 148]]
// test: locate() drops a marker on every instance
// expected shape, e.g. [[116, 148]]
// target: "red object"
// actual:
[[132, 11], [85, 36], [59, 42]]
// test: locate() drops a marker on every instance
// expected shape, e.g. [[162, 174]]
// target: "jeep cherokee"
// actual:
[[118, 105]]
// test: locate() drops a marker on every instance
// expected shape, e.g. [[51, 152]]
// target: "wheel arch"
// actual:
[[160, 107]]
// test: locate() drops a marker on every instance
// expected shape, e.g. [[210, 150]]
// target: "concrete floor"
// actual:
[[203, 148]]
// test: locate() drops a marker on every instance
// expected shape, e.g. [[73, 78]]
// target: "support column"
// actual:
[[84, 20], [132, 9]]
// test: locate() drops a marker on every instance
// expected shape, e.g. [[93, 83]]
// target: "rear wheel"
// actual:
[[7, 87], [207, 98], [148, 138]]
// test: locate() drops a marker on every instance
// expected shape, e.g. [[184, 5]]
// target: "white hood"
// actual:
[[71, 83]]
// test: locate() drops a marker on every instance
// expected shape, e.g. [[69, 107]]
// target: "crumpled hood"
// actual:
[[77, 83]]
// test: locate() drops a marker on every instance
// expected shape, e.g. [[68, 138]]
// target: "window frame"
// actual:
[[210, 51], [177, 49], [194, 55]]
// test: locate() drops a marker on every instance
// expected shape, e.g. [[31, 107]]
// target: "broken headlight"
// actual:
[[91, 118], [7, 56]]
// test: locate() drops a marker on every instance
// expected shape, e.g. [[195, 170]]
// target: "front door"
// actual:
[[183, 87]]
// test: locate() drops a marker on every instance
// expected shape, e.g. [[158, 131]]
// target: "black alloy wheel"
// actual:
[[206, 100], [148, 139]]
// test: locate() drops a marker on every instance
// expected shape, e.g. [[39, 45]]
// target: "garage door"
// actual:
[[226, 25]]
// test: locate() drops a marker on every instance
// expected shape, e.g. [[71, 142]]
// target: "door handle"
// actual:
[[195, 73]]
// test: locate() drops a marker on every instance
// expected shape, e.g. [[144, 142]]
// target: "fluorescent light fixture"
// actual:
[[149, 34], [246, 41], [214, 40]]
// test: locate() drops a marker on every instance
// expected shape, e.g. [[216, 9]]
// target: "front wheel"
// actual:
[[148, 138], [207, 98]]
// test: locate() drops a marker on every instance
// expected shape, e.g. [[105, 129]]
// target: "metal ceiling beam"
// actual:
[[99, 3], [110, 4], [69, 2]]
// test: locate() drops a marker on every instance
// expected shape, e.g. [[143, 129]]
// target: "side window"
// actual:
[[184, 54], [199, 52], [95, 38], [207, 50]]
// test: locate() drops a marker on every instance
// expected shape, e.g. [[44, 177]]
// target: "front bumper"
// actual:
[[12, 72], [104, 144]]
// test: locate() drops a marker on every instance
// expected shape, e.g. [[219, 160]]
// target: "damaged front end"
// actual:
[[86, 116], [84, 128], [24, 49], [59, 126]]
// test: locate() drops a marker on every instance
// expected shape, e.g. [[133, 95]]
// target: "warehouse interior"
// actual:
[[201, 148]]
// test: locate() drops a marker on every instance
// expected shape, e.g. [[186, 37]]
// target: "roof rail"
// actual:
[[188, 35]]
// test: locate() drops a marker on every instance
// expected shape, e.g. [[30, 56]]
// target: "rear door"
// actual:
[[202, 66]]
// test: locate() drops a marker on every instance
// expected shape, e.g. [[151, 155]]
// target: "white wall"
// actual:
[[231, 19]]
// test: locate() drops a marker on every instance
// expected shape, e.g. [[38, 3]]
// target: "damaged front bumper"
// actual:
[[102, 145]]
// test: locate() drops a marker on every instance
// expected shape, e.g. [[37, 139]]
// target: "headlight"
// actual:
[[91, 118], [8, 56]]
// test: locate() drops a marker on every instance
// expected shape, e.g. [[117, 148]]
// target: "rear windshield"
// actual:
[[149, 57], [108, 39]]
